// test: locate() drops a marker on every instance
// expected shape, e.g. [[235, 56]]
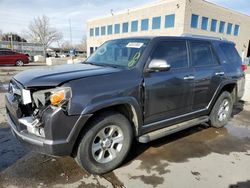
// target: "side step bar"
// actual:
[[172, 129]]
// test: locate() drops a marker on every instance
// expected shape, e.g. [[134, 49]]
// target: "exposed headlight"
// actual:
[[55, 96]]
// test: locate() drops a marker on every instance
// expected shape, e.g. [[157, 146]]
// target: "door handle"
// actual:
[[191, 77], [219, 73]]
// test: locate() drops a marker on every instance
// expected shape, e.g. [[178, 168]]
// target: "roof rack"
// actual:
[[203, 36]]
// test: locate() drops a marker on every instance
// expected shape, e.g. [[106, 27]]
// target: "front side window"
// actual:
[[125, 27], [144, 24], [117, 28], [156, 23], [97, 31], [123, 53], [213, 25], [194, 21], [204, 23], [174, 52], [134, 26], [201, 53], [110, 29], [169, 20], [222, 27], [236, 30], [229, 28]]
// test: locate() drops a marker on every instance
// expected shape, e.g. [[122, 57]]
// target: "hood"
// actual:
[[55, 75]]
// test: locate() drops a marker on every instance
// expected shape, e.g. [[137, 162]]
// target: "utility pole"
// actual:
[[70, 32]]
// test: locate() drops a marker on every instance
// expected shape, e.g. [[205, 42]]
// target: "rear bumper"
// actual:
[[61, 131]]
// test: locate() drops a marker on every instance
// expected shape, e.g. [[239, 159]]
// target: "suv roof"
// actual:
[[184, 36]]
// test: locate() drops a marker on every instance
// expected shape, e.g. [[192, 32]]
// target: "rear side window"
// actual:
[[230, 53], [201, 53], [174, 52]]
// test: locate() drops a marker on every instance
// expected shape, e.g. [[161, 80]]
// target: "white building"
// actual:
[[172, 18]]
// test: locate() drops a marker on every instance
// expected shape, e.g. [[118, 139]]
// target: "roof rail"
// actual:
[[203, 36]]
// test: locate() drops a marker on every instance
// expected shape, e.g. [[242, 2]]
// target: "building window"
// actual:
[[194, 21], [222, 27], [134, 26], [169, 20], [229, 28], [213, 25], [144, 24], [236, 30], [156, 23], [97, 31], [110, 29], [103, 30], [125, 27], [117, 28], [204, 23], [91, 49], [91, 32]]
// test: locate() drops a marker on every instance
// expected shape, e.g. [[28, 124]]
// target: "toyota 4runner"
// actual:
[[143, 88]]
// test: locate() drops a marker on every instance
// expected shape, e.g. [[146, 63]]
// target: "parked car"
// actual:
[[9, 57], [143, 88]]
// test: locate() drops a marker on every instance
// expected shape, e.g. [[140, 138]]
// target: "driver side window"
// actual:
[[174, 52]]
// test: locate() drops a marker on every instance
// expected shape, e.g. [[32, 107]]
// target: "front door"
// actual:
[[168, 93]]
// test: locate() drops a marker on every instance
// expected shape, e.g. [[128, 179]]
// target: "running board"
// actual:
[[172, 129]]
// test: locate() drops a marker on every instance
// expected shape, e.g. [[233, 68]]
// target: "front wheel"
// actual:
[[105, 144], [19, 63], [222, 110]]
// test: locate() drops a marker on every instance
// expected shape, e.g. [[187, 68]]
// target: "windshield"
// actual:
[[119, 53]]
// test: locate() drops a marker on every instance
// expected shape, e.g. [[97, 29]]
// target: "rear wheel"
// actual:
[[19, 63], [222, 110], [105, 144]]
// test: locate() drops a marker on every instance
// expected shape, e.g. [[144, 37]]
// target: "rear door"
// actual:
[[208, 72], [2, 57], [168, 94], [11, 57]]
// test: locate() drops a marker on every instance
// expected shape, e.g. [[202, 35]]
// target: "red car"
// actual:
[[9, 57]]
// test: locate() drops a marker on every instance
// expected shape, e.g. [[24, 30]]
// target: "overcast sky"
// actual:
[[15, 15]]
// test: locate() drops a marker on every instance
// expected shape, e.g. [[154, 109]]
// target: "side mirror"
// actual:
[[158, 65]]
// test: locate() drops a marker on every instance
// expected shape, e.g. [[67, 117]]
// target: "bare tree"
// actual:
[[41, 31]]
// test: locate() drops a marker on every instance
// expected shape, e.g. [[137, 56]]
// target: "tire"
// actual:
[[222, 110], [19, 63], [99, 153]]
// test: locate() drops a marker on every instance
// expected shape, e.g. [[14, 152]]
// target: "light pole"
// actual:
[[11, 42]]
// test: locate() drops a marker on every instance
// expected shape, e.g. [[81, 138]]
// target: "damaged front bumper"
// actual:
[[59, 131]]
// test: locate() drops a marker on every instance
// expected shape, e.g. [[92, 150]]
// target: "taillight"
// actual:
[[244, 67]]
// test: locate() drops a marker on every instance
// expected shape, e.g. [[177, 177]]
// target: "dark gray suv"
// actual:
[[143, 88]]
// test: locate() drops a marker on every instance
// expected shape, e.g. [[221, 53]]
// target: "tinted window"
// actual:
[[144, 24], [213, 25], [110, 28], [174, 52], [134, 26], [204, 23], [229, 28], [91, 32], [236, 30], [194, 21], [9, 53], [97, 31], [117, 28], [156, 23], [231, 53], [103, 30], [222, 27], [201, 53], [125, 27], [169, 20]]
